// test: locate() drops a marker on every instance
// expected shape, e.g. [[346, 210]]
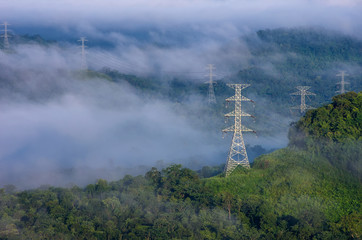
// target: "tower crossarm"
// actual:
[[303, 107], [82, 39], [310, 94], [242, 114], [235, 85], [342, 74], [345, 82], [238, 98], [233, 129], [303, 93]]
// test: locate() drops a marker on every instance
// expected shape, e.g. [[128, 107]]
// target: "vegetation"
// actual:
[[334, 132], [339, 121], [293, 193]]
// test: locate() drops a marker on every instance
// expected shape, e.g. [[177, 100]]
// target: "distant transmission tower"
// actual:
[[237, 153], [84, 66], [211, 93], [302, 92], [5, 35], [342, 74]]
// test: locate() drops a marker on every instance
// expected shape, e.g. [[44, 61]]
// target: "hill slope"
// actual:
[[292, 193]]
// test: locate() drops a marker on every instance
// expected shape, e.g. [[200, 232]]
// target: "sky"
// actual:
[[56, 128], [93, 17], [226, 9]]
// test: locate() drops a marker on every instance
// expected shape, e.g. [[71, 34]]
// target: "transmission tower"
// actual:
[[211, 93], [237, 153], [83, 47], [302, 92], [5, 35], [342, 74]]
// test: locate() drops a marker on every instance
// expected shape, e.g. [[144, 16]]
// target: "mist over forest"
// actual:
[[109, 128], [144, 101]]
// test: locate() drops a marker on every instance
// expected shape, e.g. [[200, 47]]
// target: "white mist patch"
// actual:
[[92, 130], [46, 58], [59, 127], [131, 56]]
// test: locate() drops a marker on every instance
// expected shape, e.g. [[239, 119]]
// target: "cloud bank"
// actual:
[[52, 120], [85, 16]]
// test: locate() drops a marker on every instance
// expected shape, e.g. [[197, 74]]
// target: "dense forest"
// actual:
[[300, 192], [333, 131]]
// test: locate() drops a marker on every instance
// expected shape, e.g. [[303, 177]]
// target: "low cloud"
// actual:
[[58, 128], [89, 124], [111, 14]]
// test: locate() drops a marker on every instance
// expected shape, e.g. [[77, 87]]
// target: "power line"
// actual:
[[116, 63], [107, 62]]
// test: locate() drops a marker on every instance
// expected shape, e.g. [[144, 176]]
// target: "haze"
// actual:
[[52, 121]]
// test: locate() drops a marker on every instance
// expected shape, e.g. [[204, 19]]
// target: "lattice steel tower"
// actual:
[[237, 153], [211, 93], [342, 74], [6, 36], [84, 66], [302, 92]]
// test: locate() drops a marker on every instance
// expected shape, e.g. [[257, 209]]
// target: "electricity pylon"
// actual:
[[5, 35], [342, 74], [237, 153], [211, 93], [84, 60], [302, 92]]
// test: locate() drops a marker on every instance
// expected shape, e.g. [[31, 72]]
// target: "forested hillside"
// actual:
[[334, 132], [300, 192], [339, 121], [286, 58]]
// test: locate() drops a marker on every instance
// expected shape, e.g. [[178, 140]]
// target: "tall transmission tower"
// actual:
[[237, 153], [302, 92], [5, 35], [211, 93], [84, 66], [342, 74]]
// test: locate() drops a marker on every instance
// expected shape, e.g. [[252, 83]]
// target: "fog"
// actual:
[[54, 120], [58, 127]]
